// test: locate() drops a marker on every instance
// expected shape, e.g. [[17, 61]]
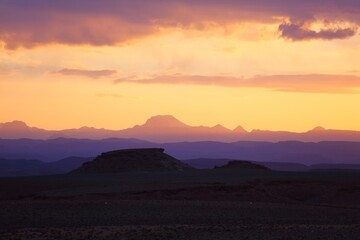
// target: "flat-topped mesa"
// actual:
[[132, 151], [132, 160], [240, 164]]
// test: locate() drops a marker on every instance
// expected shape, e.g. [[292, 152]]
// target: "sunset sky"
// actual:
[[262, 64]]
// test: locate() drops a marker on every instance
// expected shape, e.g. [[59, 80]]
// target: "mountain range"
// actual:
[[166, 128], [26, 167]]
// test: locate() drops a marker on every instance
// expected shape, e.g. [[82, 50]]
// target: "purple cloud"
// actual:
[[297, 32]]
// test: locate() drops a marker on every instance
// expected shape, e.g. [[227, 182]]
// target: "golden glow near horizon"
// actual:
[[34, 89]]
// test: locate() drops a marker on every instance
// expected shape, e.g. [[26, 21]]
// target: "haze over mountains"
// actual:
[[289, 151], [26, 167], [166, 128]]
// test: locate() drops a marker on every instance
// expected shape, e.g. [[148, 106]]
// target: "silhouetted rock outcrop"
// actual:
[[132, 160], [236, 164]]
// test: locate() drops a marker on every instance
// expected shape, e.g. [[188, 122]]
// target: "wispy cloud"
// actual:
[[318, 83], [86, 73], [111, 22], [3, 72]]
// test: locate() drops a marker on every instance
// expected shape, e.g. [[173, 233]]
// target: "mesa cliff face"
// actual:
[[132, 160]]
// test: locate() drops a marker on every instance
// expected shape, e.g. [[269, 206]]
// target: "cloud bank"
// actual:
[[85, 73], [316, 83], [34, 23]]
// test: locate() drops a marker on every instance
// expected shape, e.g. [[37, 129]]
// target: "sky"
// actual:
[[262, 64]]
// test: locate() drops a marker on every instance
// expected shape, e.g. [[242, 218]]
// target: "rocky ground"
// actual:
[[170, 219], [193, 205], [186, 232]]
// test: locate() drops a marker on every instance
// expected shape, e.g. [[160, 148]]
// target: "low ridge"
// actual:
[[132, 160]]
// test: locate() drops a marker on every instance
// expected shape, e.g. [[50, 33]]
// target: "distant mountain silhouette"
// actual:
[[208, 163], [24, 167], [318, 129], [21, 167], [164, 121], [19, 129], [163, 128], [132, 160], [317, 134], [288, 151], [166, 128], [60, 148]]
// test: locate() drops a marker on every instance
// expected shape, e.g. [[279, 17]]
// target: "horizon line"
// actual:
[[316, 128]]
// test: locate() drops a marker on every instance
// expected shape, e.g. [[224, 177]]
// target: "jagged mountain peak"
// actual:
[[239, 129], [219, 126]]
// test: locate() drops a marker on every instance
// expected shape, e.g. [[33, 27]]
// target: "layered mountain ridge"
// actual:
[[166, 128]]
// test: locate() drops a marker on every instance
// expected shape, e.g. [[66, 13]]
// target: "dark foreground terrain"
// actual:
[[196, 204]]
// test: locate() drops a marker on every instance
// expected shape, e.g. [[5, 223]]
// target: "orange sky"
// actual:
[[259, 66]]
